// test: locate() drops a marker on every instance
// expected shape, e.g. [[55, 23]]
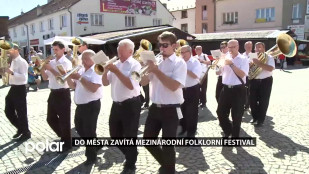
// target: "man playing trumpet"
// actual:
[[126, 108], [88, 92], [59, 100]]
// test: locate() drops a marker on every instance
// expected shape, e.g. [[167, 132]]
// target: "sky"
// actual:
[[13, 8]]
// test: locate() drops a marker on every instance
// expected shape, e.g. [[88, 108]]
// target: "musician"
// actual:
[[260, 87], [59, 100], [88, 92], [248, 48], [191, 92], [233, 92], [81, 49], [204, 60], [15, 101], [224, 49], [126, 107], [166, 82]]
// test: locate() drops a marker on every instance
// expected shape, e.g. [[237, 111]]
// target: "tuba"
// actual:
[[138, 75], [5, 46], [63, 78], [285, 45], [99, 68], [180, 43], [76, 43], [144, 45]]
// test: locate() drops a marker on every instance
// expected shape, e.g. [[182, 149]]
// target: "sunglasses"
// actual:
[[164, 45]]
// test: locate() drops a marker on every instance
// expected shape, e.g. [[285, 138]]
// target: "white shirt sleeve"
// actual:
[[22, 73], [271, 61]]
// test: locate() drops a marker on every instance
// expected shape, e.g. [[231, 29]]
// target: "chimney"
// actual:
[[38, 10]]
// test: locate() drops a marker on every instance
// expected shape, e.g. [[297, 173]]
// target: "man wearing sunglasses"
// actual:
[[166, 81]]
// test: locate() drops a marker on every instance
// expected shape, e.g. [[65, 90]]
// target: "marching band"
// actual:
[[177, 81]]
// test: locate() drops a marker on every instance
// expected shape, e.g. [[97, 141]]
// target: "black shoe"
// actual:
[[128, 170], [259, 124], [17, 135], [24, 136], [89, 162], [253, 121], [203, 106]]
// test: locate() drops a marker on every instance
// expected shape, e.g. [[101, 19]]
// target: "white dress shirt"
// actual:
[[205, 58], [175, 68], [19, 66], [246, 55], [120, 92], [67, 65], [265, 74], [228, 75], [83, 95], [194, 66]]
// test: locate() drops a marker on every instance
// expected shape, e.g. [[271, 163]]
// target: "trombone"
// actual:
[[138, 75], [61, 79], [99, 68]]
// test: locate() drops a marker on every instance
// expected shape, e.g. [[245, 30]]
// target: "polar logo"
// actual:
[[41, 146]]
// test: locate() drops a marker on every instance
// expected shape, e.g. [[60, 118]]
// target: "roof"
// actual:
[[240, 35], [176, 5], [117, 35], [49, 8]]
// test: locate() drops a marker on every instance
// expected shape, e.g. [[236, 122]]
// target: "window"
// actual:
[[230, 18], [204, 28], [96, 19], [41, 26], [14, 32], [184, 27], [63, 21], [157, 21], [130, 21], [32, 28], [50, 24], [296, 14], [265, 15], [23, 31], [184, 14], [204, 12]]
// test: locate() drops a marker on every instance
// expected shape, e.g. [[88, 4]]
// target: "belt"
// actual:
[[233, 86], [197, 85], [59, 90], [166, 105], [259, 80], [127, 100]]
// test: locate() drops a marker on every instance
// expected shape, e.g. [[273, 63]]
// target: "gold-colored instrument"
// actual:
[[138, 75], [37, 69], [180, 43], [144, 45], [76, 43], [5, 46], [285, 45], [63, 78], [99, 68], [218, 63]]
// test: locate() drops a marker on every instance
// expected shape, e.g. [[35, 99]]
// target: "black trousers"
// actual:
[[123, 122], [146, 90], [231, 99], [59, 114], [16, 108], [86, 117], [203, 90], [219, 88], [247, 103], [260, 91], [166, 119], [189, 110]]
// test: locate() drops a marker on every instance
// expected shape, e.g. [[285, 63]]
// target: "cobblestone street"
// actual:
[[282, 143]]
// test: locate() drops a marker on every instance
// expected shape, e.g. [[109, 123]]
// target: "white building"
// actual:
[[184, 13], [80, 17]]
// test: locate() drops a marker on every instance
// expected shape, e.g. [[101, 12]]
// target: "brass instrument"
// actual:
[[37, 69], [99, 68], [5, 46], [144, 45], [76, 43], [218, 63], [138, 75], [61, 79], [180, 43], [285, 45]]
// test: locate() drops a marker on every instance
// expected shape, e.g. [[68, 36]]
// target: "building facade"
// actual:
[[82, 17], [204, 16]]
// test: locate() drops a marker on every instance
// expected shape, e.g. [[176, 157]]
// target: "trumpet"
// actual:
[[218, 63], [61, 79], [138, 75], [99, 68], [37, 69], [76, 43]]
